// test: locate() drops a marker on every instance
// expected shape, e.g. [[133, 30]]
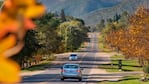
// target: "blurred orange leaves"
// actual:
[[12, 11], [9, 71], [15, 19], [7, 43]]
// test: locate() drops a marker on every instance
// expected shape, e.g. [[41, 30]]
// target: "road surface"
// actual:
[[89, 59]]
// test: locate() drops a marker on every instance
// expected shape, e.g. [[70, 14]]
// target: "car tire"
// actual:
[[62, 79], [80, 79]]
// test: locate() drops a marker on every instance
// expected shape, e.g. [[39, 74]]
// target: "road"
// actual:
[[89, 59]]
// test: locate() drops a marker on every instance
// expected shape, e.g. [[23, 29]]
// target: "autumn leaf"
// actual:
[[34, 11], [9, 71], [13, 9], [7, 43], [29, 24], [15, 19]]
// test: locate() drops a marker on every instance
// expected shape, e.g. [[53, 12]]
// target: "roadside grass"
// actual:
[[102, 45], [127, 80], [41, 66], [82, 47], [103, 48], [127, 65]]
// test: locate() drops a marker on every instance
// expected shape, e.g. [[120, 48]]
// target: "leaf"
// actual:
[[7, 25], [34, 11], [24, 2], [9, 71], [29, 24], [7, 43]]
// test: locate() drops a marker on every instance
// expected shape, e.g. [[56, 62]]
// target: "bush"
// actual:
[[146, 69], [146, 73], [51, 58]]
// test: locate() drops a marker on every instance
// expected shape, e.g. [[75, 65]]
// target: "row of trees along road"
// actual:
[[54, 34], [130, 35]]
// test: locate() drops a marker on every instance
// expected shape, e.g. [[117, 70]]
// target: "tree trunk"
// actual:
[[141, 61]]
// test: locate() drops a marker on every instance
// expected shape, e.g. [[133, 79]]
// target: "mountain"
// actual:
[[126, 5], [92, 11], [78, 8]]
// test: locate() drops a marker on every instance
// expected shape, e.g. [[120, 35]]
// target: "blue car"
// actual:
[[71, 71]]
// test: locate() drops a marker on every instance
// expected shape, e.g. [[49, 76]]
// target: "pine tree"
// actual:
[[63, 15]]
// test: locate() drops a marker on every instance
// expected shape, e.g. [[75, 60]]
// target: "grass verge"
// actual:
[[127, 80], [127, 65], [41, 66], [102, 45]]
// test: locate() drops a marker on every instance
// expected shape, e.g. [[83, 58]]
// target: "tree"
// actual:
[[47, 35], [124, 20], [31, 46], [73, 33], [63, 18], [116, 18], [133, 41], [109, 20], [101, 25]]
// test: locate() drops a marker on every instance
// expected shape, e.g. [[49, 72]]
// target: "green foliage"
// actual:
[[146, 69], [127, 64], [47, 35], [31, 45], [109, 26], [63, 18], [102, 45], [116, 17], [127, 80], [51, 36], [146, 73], [1, 2], [101, 25], [73, 33], [118, 22], [125, 5]]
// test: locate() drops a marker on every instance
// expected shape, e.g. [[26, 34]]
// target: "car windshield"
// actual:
[[73, 55], [71, 66]]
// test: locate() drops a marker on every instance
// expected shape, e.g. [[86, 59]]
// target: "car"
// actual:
[[73, 57], [71, 71]]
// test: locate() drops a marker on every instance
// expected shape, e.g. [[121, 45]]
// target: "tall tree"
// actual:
[[31, 46], [116, 17], [73, 33], [63, 15], [133, 41], [101, 25]]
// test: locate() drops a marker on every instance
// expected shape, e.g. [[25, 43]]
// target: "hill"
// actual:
[[78, 8], [92, 11], [126, 5]]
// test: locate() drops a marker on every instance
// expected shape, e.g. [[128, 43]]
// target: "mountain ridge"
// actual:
[[94, 17], [78, 8], [92, 11]]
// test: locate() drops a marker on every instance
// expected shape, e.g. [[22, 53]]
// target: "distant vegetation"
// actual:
[[128, 34], [53, 34], [129, 6], [93, 11], [78, 8]]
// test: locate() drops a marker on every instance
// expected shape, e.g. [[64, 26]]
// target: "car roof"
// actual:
[[70, 64], [73, 54]]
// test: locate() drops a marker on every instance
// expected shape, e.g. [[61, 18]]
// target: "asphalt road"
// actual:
[[89, 59]]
